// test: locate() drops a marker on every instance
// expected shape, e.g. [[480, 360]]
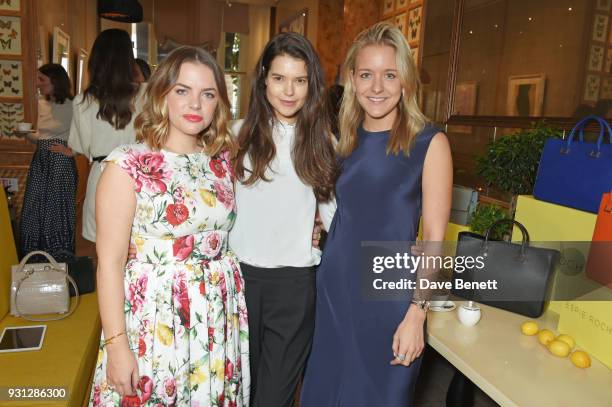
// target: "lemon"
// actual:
[[546, 336], [567, 339], [529, 328], [581, 359], [559, 348]]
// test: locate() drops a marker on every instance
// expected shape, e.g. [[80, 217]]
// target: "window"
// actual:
[[233, 76]]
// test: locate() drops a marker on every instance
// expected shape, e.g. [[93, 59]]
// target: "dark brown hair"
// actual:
[[152, 125], [111, 81], [313, 153], [60, 81]]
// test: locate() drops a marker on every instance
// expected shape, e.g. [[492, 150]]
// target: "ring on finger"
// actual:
[[401, 358]]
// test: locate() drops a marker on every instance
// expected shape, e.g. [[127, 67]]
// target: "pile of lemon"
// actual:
[[560, 345]]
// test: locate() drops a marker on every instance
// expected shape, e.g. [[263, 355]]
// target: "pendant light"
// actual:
[[126, 11]]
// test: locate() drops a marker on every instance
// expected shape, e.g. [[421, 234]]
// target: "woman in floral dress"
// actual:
[[175, 331]]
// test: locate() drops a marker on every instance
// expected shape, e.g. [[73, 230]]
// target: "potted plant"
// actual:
[[485, 215], [510, 163]]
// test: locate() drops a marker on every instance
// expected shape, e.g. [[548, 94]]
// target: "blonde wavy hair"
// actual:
[[410, 120], [153, 125]]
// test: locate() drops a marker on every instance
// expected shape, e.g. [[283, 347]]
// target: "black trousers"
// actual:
[[280, 304]]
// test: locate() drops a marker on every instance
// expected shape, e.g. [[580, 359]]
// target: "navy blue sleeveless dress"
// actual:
[[379, 199]]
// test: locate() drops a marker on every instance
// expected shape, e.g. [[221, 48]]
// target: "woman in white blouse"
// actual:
[[103, 115], [285, 165]]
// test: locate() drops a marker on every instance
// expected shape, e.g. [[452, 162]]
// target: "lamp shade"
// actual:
[[126, 11]]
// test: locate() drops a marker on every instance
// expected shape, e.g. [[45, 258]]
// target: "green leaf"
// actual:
[[510, 163], [485, 215]]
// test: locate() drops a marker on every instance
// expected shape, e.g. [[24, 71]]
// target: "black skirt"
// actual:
[[48, 215]]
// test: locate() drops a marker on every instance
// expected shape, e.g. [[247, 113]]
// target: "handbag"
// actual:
[[576, 174], [81, 269], [599, 263], [41, 288], [464, 204], [522, 273]]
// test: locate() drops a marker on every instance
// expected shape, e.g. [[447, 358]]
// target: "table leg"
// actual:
[[460, 391]]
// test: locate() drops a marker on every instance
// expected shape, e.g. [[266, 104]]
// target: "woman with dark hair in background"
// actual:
[[285, 165], [48, 215], [103, 115]]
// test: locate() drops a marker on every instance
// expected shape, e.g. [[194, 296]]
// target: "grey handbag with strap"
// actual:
[[41, 288]]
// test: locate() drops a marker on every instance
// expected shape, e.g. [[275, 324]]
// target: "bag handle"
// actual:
[[38, 252], [582, 123], [55, 267], [604, 123], [580, 127], [525, 234]]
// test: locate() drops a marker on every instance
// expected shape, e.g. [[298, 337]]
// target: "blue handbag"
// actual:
[[575, 173]]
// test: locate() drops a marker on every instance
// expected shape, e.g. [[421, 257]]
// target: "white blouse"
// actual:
[[53, 120], [94, 137], [275, 219]]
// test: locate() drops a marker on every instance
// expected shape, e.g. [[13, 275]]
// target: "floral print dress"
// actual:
[[185, 311]]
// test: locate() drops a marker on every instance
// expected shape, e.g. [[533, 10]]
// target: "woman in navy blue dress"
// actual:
[[395, 169]]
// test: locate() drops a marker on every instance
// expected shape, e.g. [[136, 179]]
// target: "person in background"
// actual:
[[103, 115], [174, 319], [396, 168], [48, 215], [285, 164], [142, 71]]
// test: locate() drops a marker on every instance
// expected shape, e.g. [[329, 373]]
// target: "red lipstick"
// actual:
[[193, 118]]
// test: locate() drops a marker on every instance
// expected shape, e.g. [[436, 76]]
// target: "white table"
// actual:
[[514, 369]]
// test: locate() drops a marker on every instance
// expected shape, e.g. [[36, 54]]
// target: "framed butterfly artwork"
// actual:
[[11, 79], [10, 35], [10, 115], [10, 5]]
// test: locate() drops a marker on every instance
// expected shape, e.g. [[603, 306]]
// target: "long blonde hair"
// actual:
[[152, 125], [410, 120]]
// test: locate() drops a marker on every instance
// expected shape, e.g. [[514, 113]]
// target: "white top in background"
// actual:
[[94, 137], [53, 120], [275, 219]]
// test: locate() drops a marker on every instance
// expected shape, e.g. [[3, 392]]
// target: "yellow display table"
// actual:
[[70, 348], [66, 359], [514, 369], [588, 320]]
